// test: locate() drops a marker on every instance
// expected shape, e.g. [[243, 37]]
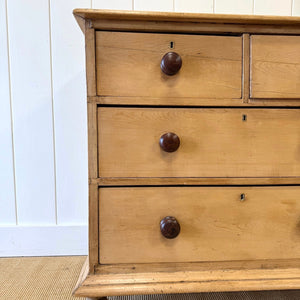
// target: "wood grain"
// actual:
[[93, 227], [128, 64], [93, 188], [251, 284], [213, 142], [110, 15], [129, 272], [246, 67], [275, 66], [183, 101], [180, 27], [217, 276], [90, 59], [192, 27], [137, 181], [92, 140], [215, 224]]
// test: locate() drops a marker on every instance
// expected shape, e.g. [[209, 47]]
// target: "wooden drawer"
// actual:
[[213, 142], [275, 66], [215, 225], [128, 64]]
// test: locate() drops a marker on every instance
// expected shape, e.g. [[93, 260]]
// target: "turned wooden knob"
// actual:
[[169, 142], [171, 63], [169, 227]]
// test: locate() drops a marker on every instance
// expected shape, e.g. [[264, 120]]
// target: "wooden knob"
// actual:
[[169, 142], [171, 63], [169, 227]]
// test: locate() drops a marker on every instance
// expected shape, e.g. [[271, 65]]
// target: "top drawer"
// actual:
[[275, 66], [128, 64]]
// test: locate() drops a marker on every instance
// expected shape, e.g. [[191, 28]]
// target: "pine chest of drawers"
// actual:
[[194, 153]]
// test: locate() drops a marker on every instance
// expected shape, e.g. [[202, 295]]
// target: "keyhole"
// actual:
[[243, 197], [244, 118], [171, 45]]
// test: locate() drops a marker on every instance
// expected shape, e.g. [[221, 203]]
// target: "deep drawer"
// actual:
[[216, 224], [238, 143]]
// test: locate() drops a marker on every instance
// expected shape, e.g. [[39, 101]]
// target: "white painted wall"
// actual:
[[43, 132]]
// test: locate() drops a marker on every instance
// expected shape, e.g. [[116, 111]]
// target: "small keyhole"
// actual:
[[243, 197], [244, 118], [171, 45]]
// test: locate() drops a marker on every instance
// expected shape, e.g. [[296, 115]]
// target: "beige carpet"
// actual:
[[42, 278]]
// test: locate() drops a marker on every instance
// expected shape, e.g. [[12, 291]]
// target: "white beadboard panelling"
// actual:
[[7, 194], [194, 6], [273, 7], [70, 115], [153, 5], [113, 4], [234, 6], [43, 240], [296, 8], [28, 28]]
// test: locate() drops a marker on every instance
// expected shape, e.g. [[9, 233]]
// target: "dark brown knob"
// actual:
[[169, 142], [169, 227], [171, 63]]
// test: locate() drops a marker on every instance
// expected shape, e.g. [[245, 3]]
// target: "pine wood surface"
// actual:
[[211, 67], [90, 59], [134, 279], [187, 22], [245, 156], [215, 224], [99, 14], [275, 66], [192, 102], [214, 142], [191, 181]]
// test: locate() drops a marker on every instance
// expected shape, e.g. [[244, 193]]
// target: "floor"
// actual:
[[42, 278]]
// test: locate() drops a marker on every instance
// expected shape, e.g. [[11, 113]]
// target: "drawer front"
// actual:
[[215, 225], [275, 66], [128, 64], [213, 142]]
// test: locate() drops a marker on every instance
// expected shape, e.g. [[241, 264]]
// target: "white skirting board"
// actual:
[[49, 240]]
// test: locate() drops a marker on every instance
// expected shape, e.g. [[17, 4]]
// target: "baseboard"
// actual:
[[43, 240]]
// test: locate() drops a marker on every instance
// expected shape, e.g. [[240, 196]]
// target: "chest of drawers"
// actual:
[[194, 153]]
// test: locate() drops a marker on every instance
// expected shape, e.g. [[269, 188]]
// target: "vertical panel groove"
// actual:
[[52, 107], [11, 115], [31, 111], [69, 107]]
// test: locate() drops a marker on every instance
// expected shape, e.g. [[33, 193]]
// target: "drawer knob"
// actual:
[[171, 63], [169, 142], [169, 227]]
